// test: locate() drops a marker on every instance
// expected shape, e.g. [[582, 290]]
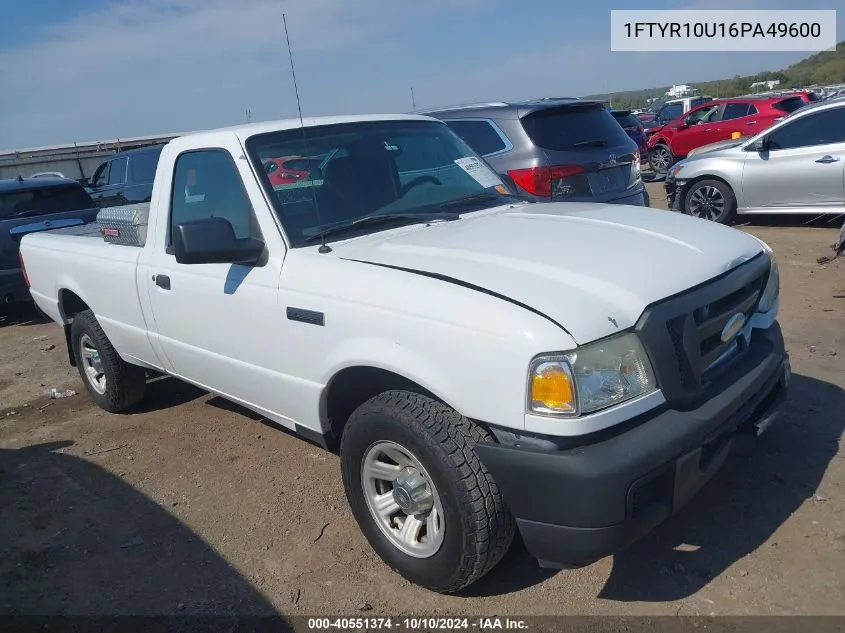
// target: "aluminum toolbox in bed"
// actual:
[[126, 225]]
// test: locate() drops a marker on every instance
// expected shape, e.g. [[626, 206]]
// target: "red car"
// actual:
[[288, 170], [807, 96], [714, 121]]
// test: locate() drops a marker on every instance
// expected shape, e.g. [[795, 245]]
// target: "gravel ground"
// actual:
[[192, 505]]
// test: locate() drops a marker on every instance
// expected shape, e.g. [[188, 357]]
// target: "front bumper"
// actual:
[[576, 505], [639, 199], [12, 286], [674, 191]]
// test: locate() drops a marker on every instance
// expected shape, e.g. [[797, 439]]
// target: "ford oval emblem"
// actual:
[[732, 327]]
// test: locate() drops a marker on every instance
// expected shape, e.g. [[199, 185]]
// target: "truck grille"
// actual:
[[683, 335]]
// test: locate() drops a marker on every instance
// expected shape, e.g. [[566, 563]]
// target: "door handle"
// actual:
[[162, 281], [827, 159], [709, 129], [751, 123]]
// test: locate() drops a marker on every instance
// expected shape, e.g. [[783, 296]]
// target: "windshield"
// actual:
[[372, 168], [671, 111], [569, 126], [627, 121], [789, 105]]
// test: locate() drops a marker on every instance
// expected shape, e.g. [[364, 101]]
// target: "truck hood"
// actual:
[[592, 268]]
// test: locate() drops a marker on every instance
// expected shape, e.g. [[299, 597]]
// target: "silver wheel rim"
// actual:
[[707, 203], [92, 364], [660, 158], [402, 499]]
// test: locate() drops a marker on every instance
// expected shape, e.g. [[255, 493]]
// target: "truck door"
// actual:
[[218, 325]]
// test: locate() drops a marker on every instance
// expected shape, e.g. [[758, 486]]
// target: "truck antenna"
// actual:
[[324, 248]]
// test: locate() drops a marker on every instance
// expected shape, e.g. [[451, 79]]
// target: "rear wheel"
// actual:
[[112, 383], [711, 200], [419, 493], [660, 158]]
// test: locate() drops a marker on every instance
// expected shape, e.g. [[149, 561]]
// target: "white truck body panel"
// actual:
[[224, 327], [563, 258]]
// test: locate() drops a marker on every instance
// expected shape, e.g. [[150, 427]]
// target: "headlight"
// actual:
[[590, 378], [772, 290], [675, 170]]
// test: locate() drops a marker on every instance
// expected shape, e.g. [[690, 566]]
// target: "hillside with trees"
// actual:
[[823, 68]]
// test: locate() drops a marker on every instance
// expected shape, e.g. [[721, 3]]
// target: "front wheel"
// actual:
[[711, 200], [660, 158], [419, 493], [112, 383]]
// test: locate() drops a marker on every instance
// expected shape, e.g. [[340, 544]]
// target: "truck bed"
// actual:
[[77, 260]]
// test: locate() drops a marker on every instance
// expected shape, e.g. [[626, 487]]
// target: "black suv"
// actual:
[[558, 150], [28, 205], [125, 178]]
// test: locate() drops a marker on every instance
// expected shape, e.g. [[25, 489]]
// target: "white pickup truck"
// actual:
[[482, 364]]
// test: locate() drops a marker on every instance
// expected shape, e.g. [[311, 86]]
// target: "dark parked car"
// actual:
[[553, 149], [634, 128], [125, 178], [29, 205]]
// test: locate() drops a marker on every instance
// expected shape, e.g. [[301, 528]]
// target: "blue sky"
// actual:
[[96, 69]]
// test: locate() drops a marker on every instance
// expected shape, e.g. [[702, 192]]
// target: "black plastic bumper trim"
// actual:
[[583, 503]]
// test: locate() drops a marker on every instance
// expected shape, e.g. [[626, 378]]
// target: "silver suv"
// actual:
[[553, 149]]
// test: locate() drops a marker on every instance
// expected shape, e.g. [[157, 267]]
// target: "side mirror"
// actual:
[[213, 241], [760, 145]]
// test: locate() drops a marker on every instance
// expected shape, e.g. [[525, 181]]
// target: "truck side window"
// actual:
[[117, 173], [206, 184], [142, 167], [101, 176]]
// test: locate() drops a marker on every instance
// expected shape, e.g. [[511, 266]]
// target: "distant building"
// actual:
[[681, 90], [77, 160], [768, 85]]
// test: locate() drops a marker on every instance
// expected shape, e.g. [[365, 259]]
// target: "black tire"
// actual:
[[125, 383], [716, 192], [478, 528], [660, 158]]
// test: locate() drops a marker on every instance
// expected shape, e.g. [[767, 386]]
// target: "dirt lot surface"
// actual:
[[190, 505]]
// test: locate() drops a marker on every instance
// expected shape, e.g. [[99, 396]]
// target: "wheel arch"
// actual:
[[696, 179], [353, 385], [70, 304], [661, 143]]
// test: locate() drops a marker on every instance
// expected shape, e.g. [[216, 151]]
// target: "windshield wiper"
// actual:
[[385, 218], [596, 142], [471, 199]]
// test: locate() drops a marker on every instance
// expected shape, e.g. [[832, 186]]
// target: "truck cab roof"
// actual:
[[247, 130]]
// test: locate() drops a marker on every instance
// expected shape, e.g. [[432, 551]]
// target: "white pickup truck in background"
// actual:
[[482, 364]]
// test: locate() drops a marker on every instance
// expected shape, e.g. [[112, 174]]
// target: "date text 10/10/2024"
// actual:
[[415, 624]]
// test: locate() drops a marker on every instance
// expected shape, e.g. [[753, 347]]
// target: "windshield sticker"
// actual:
[[480, 172]]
